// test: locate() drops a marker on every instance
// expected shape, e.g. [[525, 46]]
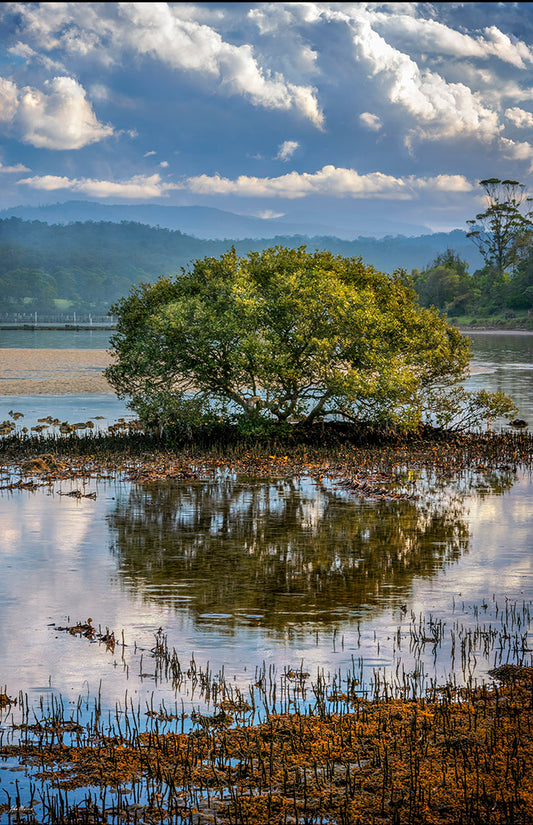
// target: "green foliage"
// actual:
[[462, 410], [519, 288], [445, 283], [502, 232], [92, 264], [283, 335]]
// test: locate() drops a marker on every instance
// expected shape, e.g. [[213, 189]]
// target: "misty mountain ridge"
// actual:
[[207, 222], [88, 265]]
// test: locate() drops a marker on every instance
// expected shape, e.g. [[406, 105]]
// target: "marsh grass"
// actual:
[[291, 749]]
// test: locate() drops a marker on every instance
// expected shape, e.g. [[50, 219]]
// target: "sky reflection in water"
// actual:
[[238, 572]]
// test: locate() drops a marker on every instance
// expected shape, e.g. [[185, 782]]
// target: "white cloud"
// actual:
[[330, 180], [139, 186], [501, 45], [515, 150], [439, 109], [25, 51], [99, 91], [149, 154], [17, 169], [519, 117], [271, 18], [8, 100], [164, 164], [269, 214], [371, 121], [287, 149], [166, 33], [423, 35], [60, 117]]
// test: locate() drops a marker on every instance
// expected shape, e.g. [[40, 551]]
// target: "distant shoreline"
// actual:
[[494, 330], [59, 327]]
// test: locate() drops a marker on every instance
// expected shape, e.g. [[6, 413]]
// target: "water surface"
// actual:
[[238, 571], [242, 571], [254, 578]]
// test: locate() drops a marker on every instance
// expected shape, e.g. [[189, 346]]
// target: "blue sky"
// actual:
[[327, 112]]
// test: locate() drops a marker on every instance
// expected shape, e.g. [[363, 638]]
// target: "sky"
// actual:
[[340, 113]]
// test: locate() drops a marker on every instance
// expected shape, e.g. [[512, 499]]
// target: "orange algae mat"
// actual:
[[463, 755]]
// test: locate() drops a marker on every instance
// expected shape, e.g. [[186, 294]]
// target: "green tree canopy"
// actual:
[[444, 283], [503, 231], [283, 335]]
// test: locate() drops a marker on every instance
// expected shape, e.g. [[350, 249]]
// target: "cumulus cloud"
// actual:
[[59, 117], [440, 109], [139, 186], [422, 35], [371, 121], [515, 150], [275, 17], [287, 149], [17, 169], [519, 117], [329, 180], [25, 51], [408, 72], [156, 31], [167, 33]]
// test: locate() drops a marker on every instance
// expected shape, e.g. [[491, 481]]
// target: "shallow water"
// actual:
[[249, 578], [54, 339], [102, 408], [504, 362], [238, 572]]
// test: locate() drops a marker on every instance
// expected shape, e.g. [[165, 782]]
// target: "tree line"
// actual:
[[503, 233], [86, 266]]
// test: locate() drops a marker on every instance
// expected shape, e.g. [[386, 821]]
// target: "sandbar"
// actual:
[[53, 371]]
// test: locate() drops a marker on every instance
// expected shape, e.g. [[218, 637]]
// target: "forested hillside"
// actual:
[[86, 266]]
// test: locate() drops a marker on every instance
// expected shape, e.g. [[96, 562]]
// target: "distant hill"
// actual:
[[203, 221], [86, 266]]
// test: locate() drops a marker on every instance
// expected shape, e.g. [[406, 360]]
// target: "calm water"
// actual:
[[54, 339], [504, 362], [249, 577], [240, 571]]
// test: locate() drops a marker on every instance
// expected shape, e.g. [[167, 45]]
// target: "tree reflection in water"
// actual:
[[278, 553]]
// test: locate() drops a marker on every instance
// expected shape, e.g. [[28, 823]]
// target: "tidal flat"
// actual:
[[280, 632]]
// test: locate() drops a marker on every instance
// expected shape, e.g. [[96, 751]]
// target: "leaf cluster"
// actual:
[[283, 335]]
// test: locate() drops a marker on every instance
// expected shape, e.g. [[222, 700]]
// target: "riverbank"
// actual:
[[370, 463]]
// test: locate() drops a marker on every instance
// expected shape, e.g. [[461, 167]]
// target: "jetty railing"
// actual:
[[73, 320]]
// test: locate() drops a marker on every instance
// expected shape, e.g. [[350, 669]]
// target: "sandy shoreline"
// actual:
[[53, 371]]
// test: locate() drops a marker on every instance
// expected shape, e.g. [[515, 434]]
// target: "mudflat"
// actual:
[[53, 371]]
